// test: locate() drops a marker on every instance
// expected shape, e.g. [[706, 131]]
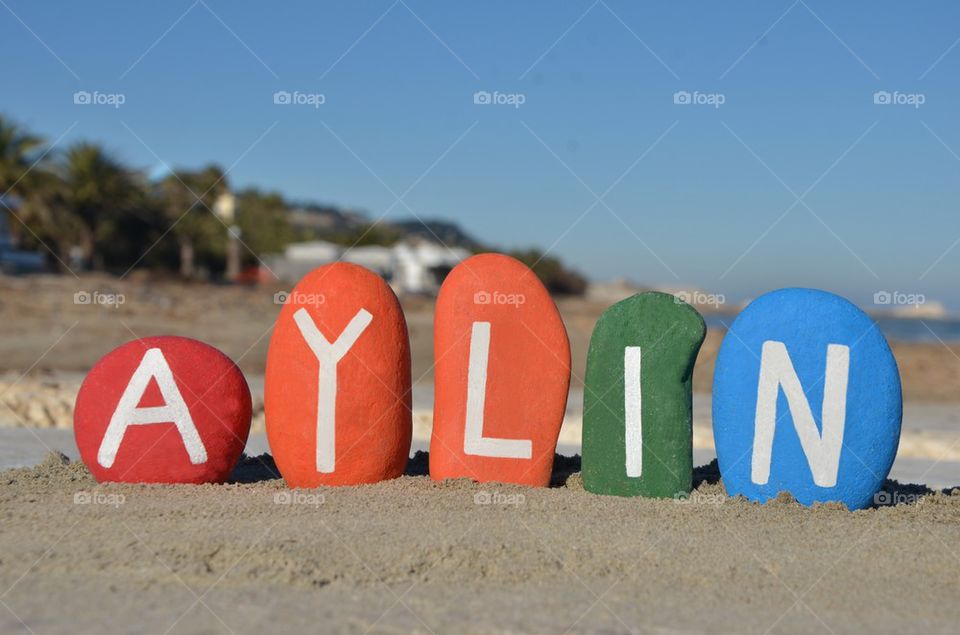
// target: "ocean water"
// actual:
[[898, 329]]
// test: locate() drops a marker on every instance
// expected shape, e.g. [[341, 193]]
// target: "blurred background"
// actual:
[[176, 167]]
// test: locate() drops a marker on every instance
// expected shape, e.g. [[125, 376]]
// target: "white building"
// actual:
[[410, 266]]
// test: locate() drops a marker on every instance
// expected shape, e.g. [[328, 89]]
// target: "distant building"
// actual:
[[422, 265], [410, 266]]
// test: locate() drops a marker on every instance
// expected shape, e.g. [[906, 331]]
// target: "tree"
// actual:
[[554, 275], [19, 152], [262, 218], [187, 198], [31, 193], [99, 192]]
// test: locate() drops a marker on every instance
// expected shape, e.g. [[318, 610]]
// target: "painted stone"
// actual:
[[162, 410], [806, 400], [501, 376], [637, 402], [337, 386]]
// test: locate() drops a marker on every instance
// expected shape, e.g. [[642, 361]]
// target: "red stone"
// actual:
[[492, 306], [186, 406], [348, 421]]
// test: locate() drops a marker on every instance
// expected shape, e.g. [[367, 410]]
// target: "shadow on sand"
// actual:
[[255, 469]]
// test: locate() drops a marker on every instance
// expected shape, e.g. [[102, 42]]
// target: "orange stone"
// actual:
[[501, 376], [337, 386]]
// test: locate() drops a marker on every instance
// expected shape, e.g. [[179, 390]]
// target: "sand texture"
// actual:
[[411, 555]]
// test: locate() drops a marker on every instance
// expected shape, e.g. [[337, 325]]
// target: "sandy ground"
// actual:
[[411, 555]]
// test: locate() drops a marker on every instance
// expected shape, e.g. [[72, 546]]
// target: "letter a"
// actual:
[[821, 449], [152, 366], [329, 355], [473, 440]]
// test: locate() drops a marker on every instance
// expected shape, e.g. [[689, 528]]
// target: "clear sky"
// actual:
[[798, 178]]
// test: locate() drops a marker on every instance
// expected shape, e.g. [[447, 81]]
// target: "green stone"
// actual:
[[638, 389]]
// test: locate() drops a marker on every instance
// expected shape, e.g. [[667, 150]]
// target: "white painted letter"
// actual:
[[631, 397], [175, 411], [473, 440], [822, 450], [329, 355]]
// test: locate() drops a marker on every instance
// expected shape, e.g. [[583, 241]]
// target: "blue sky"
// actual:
[[797, 179]]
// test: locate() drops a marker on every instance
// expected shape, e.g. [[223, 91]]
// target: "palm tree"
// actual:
[[19, 151], [188, 198], [97, 190], [28, 186]]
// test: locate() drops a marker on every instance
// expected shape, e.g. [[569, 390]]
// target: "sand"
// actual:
[[411, 555]]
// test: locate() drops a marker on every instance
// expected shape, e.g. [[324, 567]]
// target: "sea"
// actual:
[[934, 330]]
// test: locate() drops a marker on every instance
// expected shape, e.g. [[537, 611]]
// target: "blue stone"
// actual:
[[806, 400]]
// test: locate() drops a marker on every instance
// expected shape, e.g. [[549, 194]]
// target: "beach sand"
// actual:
[[412, 555]]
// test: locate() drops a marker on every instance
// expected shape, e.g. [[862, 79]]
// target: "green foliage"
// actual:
[[19, 150], [187, 199], [87, 198], [262, 218], [554, 275], [368, 234]]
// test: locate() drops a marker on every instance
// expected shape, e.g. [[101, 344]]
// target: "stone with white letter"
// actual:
[[806, 400], [163, 410], [501, 377], [337, 387], [637, 401]]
